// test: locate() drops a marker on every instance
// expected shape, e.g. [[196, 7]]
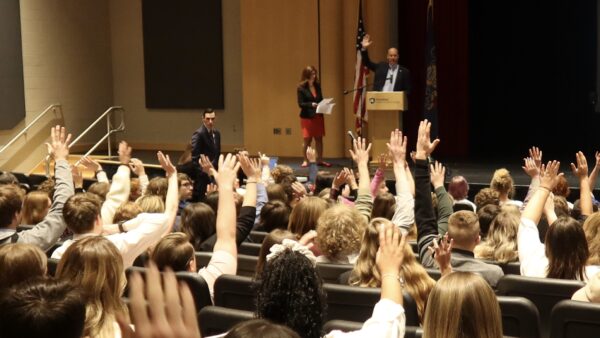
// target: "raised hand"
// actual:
[[170, 305], [390, 254], [581, 170], [124, 153], [90, 164], [299, 190], [59, 143], [360, 154], [442, 253], [383, 161], [351, 178], [165, 163], [311, 154], [438, 173], [77, 177], [264, 159], [424, 144], [340, 179], [227, 174], [137, 166], [366, 41], [308, 239], [397, 146], [549, 175], [530, 168], [251, 167], [206, 165], [211, 187], [536, 154]]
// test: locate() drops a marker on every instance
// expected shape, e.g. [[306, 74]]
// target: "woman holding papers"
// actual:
[[313, 126]]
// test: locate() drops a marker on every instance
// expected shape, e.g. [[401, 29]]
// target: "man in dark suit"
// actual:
[[206, 140], [389, 76]]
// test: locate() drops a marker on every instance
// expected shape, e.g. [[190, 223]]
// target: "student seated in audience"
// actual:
[[562, 190], [35, 207], [591, 227], [94, 264], [487, 196], [47, 232], [378, 185], [259, 328], [273, 215], [274, 237], [486, 216], [366, 273], [99, 189], [126, 212], [458, 188], [500, 244], [82, 215], [198, 221], [462, 305], [384, 205], [565, 253], [42, 308], [463, 227], [339, 231], [20, 262], [175, 249], [503, 183], [186, 188], [590, 292], [305, 214]]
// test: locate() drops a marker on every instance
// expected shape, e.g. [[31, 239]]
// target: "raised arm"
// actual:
[[424, 216], [585, 194], [390, 256], [172, 200], [365, 43], [360, 155], [444, 206], [245, 220], [404, 214], [532, 170], [120, 186], [96, 167], [226, 230], [137, 166], [48, 231], [379, 174], [548, 180]]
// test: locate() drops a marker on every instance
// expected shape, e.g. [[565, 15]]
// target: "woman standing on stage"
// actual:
[[313, 125]]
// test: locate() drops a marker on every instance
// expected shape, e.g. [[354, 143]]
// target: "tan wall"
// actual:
[[66, 59], [161, 128], [281, 37]]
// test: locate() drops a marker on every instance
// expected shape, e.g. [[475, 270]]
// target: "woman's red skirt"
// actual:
[[313, 127]]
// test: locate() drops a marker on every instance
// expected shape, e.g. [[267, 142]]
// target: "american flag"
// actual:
[[360, 76]]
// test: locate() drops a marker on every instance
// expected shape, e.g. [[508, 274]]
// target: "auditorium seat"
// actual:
[[52, 265], [342, 325], [258, 236], [434, 273], [52, 248], [235, 292], [214, 320], [520, 317], [414, 247], [356, 304], [246, 265], [250, 249], [543, 292], [575, 319], [331, 272], [202, 258]]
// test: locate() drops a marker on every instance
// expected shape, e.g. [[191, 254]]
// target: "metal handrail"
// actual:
[[24, 131], [109, 131]]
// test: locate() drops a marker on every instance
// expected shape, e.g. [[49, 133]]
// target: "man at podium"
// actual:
[[389, 76]]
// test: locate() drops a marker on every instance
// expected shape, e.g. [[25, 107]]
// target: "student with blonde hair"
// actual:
[[305, 214], [339, 232], [462, 305], [503, 183], [501, 242], [96, 266], [35, 207]]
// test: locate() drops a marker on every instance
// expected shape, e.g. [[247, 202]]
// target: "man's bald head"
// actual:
[[392, 56]]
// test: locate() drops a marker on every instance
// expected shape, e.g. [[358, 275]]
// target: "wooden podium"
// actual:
[[385, 114]]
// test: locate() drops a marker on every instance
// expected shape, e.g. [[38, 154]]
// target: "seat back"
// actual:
[[342, 325], [52, 265], [53, 247], [198, 287], [414, 247], [520, 317], [250, 249], [214, 320], [258, 236], [512, 268], [331, 272], [202, 258], [575, 319], [246, 265], [235, 292], [356, 303], [434, 273], [543, 292], [195, 282]]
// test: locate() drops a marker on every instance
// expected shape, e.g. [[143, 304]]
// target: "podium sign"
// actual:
[[385, 114]]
